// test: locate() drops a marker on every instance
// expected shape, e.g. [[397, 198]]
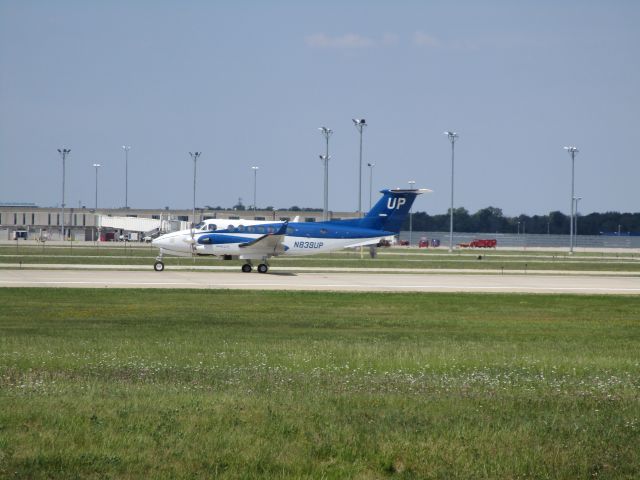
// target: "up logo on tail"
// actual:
[[395, 203]]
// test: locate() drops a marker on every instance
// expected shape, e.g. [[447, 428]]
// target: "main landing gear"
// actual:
[[262, 268]]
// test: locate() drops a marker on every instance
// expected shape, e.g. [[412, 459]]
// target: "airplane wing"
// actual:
[[266, 245]]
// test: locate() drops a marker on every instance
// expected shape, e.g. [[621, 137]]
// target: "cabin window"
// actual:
[[250, 229], [231, 228], [212, 227], [260, 229], [241, 228], [270, 229]]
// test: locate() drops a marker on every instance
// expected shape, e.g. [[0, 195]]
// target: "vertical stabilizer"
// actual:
[[389, 212]]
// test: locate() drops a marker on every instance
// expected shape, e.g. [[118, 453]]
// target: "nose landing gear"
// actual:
[[159, 265]]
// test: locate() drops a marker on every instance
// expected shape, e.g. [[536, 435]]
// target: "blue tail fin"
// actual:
[[390, 211]]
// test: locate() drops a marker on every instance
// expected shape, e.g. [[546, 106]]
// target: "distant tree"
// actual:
[[489, 220]]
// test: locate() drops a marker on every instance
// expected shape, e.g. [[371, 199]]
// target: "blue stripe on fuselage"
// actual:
[[218, 238], [337, 229]]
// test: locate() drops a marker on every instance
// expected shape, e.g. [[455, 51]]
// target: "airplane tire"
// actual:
[[263, 268], [246, 268], [158, 266]]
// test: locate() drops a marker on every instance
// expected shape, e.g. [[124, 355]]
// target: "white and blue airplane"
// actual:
[[251, 240]]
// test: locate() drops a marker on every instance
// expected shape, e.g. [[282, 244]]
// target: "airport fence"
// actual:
[[525, 240]]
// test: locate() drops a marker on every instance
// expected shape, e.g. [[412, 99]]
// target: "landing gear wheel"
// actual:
[[158, 266], [246, 268], [263, 268]]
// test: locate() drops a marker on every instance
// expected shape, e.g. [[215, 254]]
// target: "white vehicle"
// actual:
[[259, 240]]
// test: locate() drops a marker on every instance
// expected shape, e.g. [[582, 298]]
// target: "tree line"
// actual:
[[492, 220]]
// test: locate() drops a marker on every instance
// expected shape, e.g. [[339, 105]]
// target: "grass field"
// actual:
[[387, 258], [233, 384]]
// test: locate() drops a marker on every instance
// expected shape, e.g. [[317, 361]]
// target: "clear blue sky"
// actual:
[[249, 83]]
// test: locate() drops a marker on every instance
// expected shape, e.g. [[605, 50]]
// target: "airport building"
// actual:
[[28, 221]]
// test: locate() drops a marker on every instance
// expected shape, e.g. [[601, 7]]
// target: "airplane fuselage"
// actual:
[[225, 238]]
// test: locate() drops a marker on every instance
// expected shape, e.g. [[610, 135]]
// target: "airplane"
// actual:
[[260, 240]]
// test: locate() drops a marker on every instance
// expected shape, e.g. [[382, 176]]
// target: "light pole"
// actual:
[[194, 156], [126, 149], [412, 184], [326, 133], [63, 153], [97, 166], [370, 165], [453, 136], [360, 123], [572, 150], [575, 230], [255, 183]]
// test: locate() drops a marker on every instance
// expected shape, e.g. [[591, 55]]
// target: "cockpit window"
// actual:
[[199, 226]]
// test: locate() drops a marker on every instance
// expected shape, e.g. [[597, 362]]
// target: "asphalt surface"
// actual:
[[332, 281]]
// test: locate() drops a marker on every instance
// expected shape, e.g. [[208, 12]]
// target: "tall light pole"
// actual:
[[326, 133], [63, 153], [575, 230], [255, 183], [360, 123], [453, 136], [126, 149], [412, 184], [97, 166], [194, 156], [370, 165], [572, 150]]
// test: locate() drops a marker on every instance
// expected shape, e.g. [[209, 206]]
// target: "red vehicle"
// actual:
[[479, 243]]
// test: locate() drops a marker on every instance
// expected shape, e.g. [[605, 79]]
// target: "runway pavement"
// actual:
[[369, 282]]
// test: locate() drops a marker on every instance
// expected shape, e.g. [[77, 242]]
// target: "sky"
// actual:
[[248, 83]]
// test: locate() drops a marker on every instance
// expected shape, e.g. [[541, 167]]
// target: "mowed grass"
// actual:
[[481, 260], [233, 384]]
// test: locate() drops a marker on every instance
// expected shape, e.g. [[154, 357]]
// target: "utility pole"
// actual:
[[63, 153], [572, 150], [360, 123], [453, 136], [326, 133]]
